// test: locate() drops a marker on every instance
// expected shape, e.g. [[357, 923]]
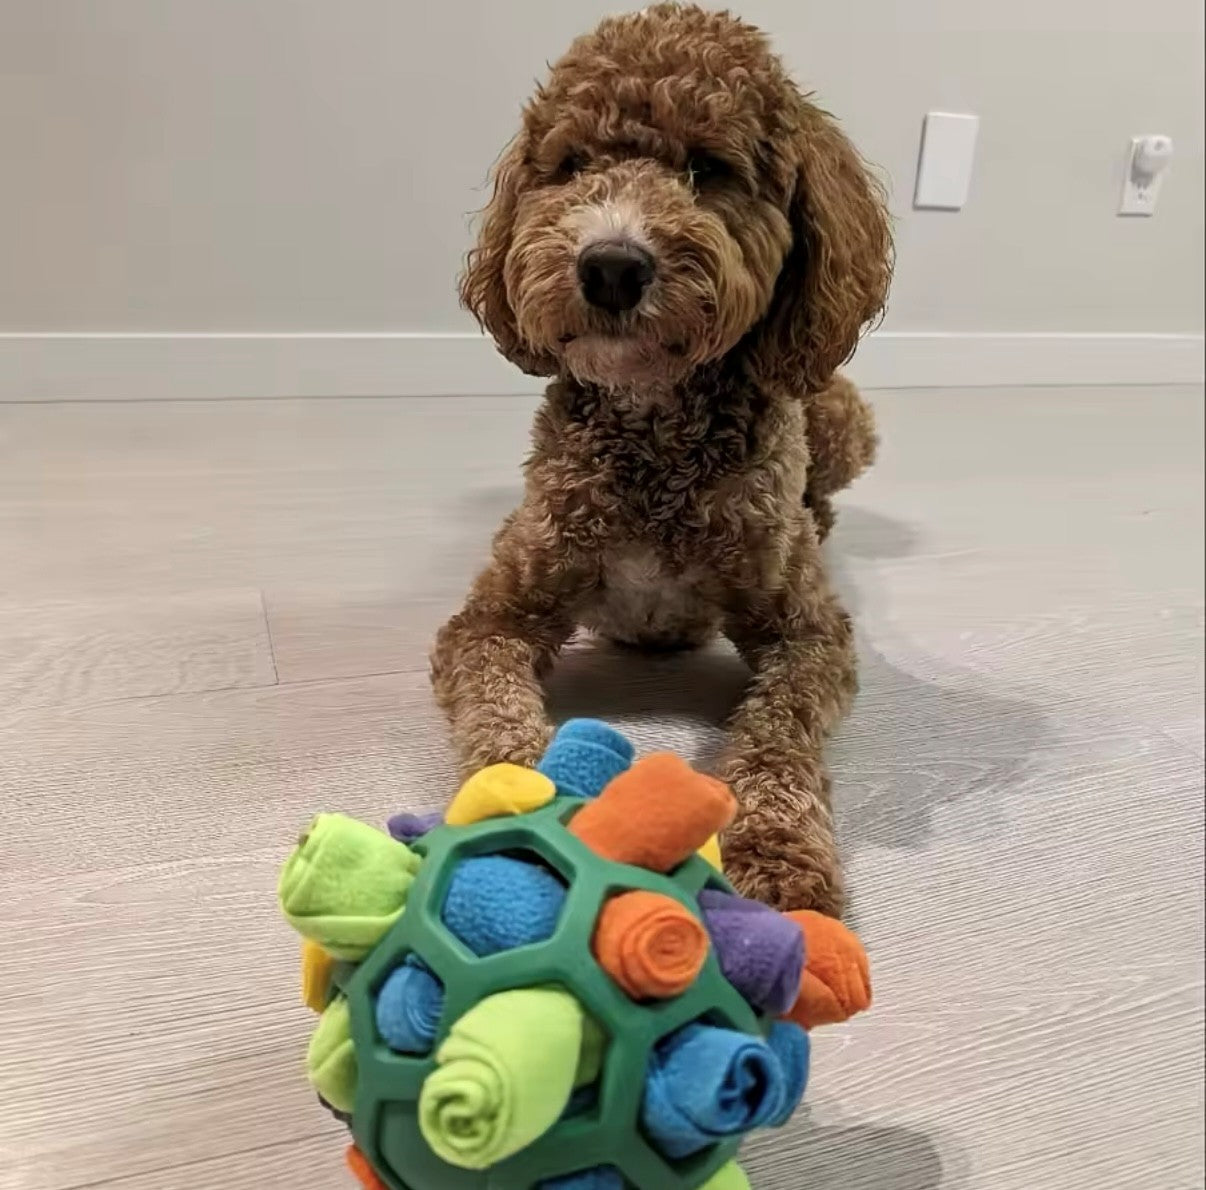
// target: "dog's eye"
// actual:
[[570, 164], [705, 169]]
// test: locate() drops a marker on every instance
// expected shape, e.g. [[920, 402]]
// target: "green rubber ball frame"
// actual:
[[385, 1122]]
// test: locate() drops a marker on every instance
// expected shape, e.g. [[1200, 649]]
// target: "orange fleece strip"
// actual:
[[837, 977], [652, 946], [656, 814], [363, 1171]]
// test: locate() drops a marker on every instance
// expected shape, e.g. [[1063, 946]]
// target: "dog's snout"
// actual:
[[614, 275]]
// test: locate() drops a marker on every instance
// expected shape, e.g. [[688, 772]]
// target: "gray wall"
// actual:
[[308, 165]]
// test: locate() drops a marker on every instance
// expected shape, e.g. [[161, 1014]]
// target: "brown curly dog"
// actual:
[[690, 248]]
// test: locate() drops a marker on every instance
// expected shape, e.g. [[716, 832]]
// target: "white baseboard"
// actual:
[[48, 367]]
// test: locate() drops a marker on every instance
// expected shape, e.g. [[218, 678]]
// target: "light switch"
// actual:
[[948, 152]]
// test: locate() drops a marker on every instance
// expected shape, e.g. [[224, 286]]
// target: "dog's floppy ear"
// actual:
[[835, 279], [483, 283]]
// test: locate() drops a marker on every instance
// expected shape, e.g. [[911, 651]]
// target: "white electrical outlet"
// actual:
[[1146, 165]]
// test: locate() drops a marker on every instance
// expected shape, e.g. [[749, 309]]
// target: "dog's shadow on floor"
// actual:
[[673, 702], [915, 746], [911, 748], [858, 1155]]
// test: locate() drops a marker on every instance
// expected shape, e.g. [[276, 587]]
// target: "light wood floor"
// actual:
[[213, 622]]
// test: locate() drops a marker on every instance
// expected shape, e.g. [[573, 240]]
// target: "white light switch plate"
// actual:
[[944, 169]]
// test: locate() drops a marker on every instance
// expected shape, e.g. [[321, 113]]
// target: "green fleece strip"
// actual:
[[505, 1074], [345, 885]]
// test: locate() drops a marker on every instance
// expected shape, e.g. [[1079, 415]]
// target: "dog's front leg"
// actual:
[[799, 643], [488, 659]]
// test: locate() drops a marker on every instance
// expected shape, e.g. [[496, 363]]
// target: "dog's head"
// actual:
[[671, 198]]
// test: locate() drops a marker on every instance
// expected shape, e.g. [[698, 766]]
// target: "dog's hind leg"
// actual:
[[841, 445]]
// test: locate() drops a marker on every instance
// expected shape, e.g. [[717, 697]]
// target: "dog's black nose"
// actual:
[[614, 276]]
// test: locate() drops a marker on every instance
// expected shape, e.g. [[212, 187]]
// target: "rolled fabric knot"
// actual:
[[836, 982], [406, 827], [499, 791], [655, 815], [408, 1008], [652, 946], [790, 1045], [711, 852], [584, 756], [496, 903], [705, 1083], [317, 970], [503, 1077], [362, 1171], [345, 885], [331, 1058], [727, 1177], [761, 952]]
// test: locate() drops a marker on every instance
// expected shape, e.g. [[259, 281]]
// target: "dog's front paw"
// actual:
[[778, 855], [492, 737], [781, 877]]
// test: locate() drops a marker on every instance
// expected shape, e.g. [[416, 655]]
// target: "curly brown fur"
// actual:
[[686, 453], [841, 445]]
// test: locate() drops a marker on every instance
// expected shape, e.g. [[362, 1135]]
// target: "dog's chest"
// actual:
[[665, 503], [643, 597], [641, 574]]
